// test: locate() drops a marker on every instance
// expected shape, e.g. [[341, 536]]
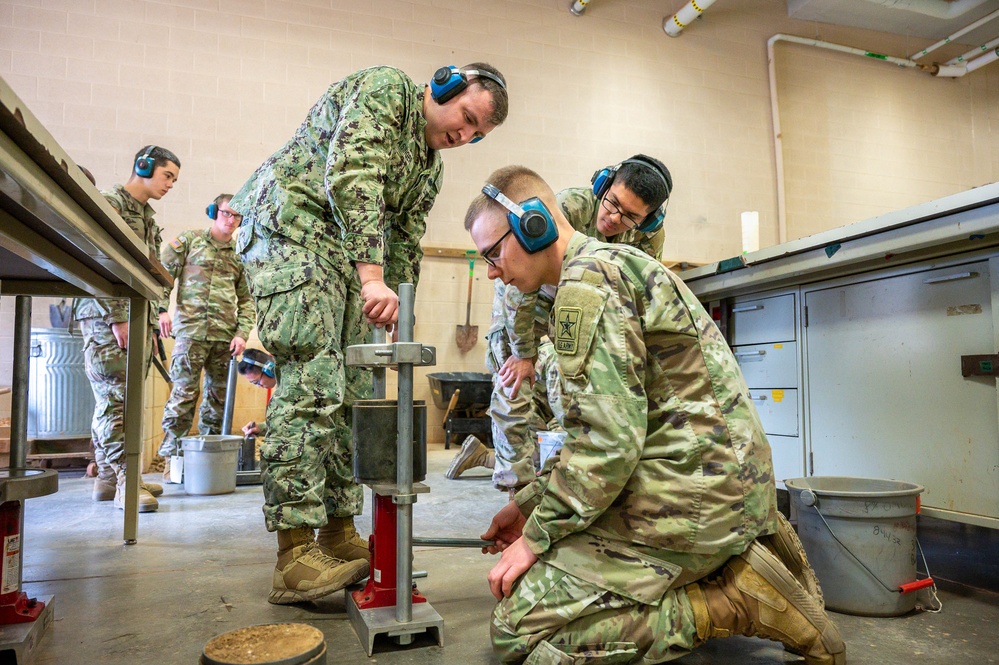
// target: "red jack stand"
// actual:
[[380, 591]]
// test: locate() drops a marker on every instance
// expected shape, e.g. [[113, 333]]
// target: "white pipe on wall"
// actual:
[[955, 71], [674, 25], [578, 7], [987, 46], [946, 40]]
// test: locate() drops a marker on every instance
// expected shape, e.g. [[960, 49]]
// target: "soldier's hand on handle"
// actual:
[[120, 332], [514, 371], [237, 345], [166, 325], [515, 561], [381, 304], [505, 528], [250, 429]]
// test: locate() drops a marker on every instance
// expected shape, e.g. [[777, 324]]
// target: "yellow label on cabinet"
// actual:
[[778, 346], [778, 395]]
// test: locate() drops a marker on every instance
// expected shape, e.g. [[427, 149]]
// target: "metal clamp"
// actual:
[[390, 355]]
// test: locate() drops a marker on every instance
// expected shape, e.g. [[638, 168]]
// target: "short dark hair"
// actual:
[[219, 200], [517, 182], [256, 356], [644, 175], [159, 155], [501, 100]]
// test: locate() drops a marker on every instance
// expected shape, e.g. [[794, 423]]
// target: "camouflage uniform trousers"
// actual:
[[191, 357], [307, 314], [105, 363], [556, 618], [514, 422]]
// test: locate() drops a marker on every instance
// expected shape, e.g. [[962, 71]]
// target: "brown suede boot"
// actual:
[[340, 540], [786, 546], [473, 453], [105, 484], [147, 502], [303, 572], [755, 595]]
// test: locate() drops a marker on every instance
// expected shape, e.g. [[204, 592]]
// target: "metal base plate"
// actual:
[[22, 638], [381, 621], [248, 477]]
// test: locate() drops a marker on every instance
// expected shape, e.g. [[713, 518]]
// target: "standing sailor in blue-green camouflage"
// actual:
[[332, 225], [656, 527]]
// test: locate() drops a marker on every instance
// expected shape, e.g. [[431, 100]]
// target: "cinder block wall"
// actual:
[[223, 83]]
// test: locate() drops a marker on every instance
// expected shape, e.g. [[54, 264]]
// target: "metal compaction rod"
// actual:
[[370, 611]]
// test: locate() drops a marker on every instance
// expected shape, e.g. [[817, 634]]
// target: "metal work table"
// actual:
[[60, 237], [873, 349]]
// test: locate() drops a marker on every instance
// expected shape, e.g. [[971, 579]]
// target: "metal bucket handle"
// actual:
[[811, 500]]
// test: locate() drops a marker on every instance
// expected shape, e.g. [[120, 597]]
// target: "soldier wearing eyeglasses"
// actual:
[[625, 204], [213, 318]]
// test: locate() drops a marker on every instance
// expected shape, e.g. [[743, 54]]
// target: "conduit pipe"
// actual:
[[578, 7], [974, 52], [946, 40], [674, 25], [946, 9], [955, 71], [775, 111]]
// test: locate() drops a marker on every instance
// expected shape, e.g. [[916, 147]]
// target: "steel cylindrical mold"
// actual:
[[60, 400], [375, 432]]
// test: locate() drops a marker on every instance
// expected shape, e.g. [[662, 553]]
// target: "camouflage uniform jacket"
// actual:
[[665, 451], [213, 297], [525, 311], [139, 218], [356, 181]]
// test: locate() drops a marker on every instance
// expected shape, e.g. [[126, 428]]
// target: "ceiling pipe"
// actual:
[[988, 46], [945, 9], [947, 40], [955, 71], [578, 7], [674, 25]]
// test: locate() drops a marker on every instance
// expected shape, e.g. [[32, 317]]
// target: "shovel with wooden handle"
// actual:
[[466, 335]]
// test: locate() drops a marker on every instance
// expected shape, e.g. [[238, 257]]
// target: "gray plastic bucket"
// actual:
[[860, 537], [210, 463]]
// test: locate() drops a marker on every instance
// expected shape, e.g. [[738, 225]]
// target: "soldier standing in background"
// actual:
[[104, 324], [333, 222], [656, 528], [213, 318], [624, 204]]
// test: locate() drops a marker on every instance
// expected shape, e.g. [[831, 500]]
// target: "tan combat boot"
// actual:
[[153, 488], [786, 546], [754, 595], [340, 540], [473, 453], [166, 470], [303, 572], [105, 483], [147, 502]]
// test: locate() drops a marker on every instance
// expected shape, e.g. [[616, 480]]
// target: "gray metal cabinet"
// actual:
[[886, 397]]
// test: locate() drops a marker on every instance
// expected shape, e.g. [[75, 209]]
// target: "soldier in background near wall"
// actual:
[[104, 324], [213, 318]]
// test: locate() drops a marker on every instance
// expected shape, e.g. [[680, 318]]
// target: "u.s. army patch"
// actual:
[[176, 243], [567, 330]]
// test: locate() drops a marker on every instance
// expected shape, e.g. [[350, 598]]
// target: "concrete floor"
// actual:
[[203, 565]]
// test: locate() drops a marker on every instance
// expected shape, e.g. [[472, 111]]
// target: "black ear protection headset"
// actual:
[[604, 178], [144, 164], [531, 222], [265, 368], [448, 82]]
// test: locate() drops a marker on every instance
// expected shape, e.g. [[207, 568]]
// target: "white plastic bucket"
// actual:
[[549, 443], [860, 537], [210, 463]]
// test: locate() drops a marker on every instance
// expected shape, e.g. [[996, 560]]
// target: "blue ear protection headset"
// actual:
[[144, 165], [449, 81], [531, 222], [604, 178], [212, 211], [265, 368]]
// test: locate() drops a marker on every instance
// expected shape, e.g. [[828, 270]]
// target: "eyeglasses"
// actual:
[[491, 254], [614, 209], [228, 214], [257, 380]]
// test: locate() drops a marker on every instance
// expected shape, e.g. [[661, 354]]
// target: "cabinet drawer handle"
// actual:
[[744, 354], [950, 278], [761, 398], [747, 308]]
